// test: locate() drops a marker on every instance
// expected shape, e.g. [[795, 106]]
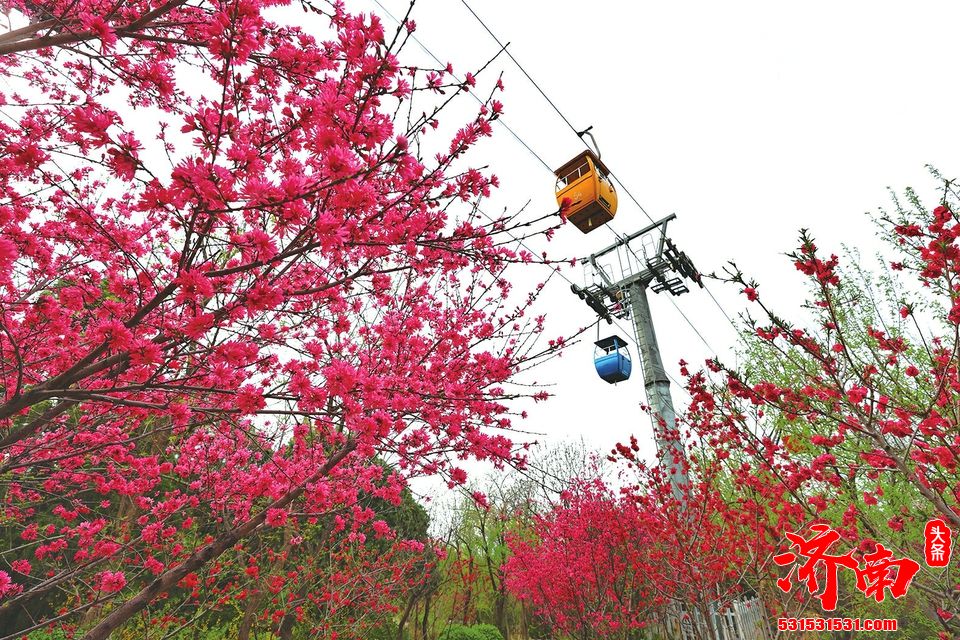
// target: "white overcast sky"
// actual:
[[748, 120]]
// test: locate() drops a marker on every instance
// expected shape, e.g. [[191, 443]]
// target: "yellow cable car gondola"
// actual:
[[585, 192]]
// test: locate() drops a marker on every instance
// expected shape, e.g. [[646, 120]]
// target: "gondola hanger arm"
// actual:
[[586, 132]]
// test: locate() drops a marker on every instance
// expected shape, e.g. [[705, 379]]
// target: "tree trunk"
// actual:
[[426, 617], [500, 615], [406, 614], [249, 615], [285, 631], [524, 620]]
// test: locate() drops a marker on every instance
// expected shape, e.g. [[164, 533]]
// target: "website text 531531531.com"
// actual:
[[836, 624]]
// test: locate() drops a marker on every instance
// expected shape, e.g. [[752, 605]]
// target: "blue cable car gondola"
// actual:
[[612, 359]]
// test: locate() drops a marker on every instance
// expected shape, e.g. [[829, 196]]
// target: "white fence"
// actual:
[[742, 620]]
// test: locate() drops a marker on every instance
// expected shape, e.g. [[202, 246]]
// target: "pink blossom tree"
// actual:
[[232, 283], [845, 417]]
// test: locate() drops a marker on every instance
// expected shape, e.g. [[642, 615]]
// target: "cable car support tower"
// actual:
[[659, 266]]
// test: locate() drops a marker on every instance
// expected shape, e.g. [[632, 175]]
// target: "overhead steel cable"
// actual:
[[543, 93], [520, 66], [579, 135], [500, 120], [631, 333], [521, 243], [722, 310]]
